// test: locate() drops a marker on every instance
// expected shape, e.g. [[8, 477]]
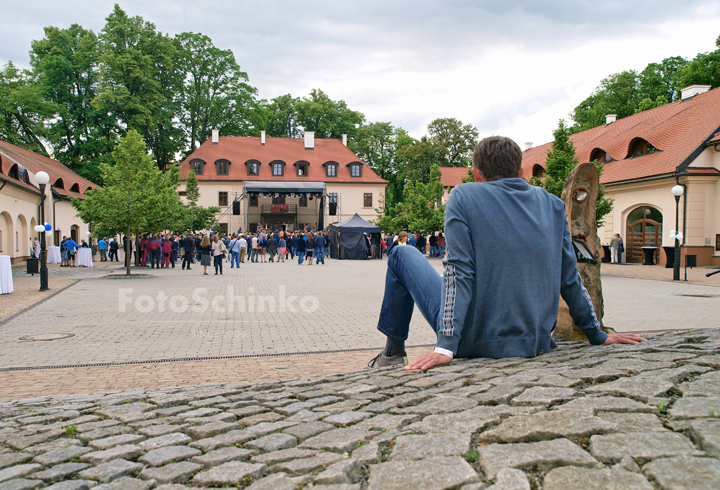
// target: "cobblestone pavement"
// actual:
[[630, 417], [27, 293]]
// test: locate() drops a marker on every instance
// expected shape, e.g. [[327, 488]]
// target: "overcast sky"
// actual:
[[508, 67]]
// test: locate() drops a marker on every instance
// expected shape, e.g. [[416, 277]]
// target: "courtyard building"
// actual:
[[20, 201], [298, 183]]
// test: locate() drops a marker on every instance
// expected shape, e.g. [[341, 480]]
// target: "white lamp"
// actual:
[[42, 178], [677, 190]]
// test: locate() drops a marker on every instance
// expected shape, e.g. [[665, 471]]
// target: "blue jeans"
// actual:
[[301, 257], [253, 255], [410, 281], [434, 251], [320, 254], [234, 259], [155, 258], [218, 260], [293, 252]]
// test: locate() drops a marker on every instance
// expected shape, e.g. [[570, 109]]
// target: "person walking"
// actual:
[[262, 247], [293, 245], [218, 252], [242, 243], [614, 246], [310, 247], [188, 245], [300, 249], [234, 249], [320, 248], [273, 247], [205, 250], [254, 244], [282, 249], [113, 246], [621, 249]]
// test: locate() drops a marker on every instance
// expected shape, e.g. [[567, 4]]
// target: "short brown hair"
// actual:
[[497, 157], [402, 234]]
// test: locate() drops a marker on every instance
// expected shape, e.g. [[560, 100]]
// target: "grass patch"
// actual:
[[70, 430]]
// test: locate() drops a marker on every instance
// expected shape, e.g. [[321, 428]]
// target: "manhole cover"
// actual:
[[48, 336]]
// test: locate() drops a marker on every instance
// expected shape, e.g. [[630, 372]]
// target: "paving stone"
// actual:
[[161, 430], [61, 455], [307, 465], [117, 411], [548, 425], [272, 442], [706, 433], [171, 400], [506, 479], [344, 406], [280, 403], [276, 481], [229, 474], [347, 471], [691, 407], [175, 486], [10, 459], [542, 456], [294, 408], [347, 418], [100, 424], [173, 439], [439, 404], [430, 380], [127, 451], [110, 442], [18, 470], [209, 430], [633, 422], [685, 473], [640, 446], [172, 411], [542, 395], [425, 446], [110, 471], [340, 486], [367, 454], [164, 455], [21, 443], [308, 429], [646, 385], [199, 412], [706, 385], [572, 478], [126, 483], [104, 432], [249, 411], [283, 455], [46, 419], [607, 404], [434, 473], [50, 445], [387, 422], [222, 455], [206, 402], [228, 439], [259, 418], [171, 473], [498, 395], [60, 472], [337, 439], [72, 485]]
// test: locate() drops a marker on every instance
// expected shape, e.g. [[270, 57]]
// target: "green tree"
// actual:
[[416, 159], [22, 109], [328, 118], [216, 94], [662, 80], [137, 196], [455, 140], [421, 209], [616, 94], [704, 69], [66, 66], [197, 217], [277, 117]]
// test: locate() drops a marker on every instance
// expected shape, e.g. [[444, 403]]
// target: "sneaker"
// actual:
[[381, 360]]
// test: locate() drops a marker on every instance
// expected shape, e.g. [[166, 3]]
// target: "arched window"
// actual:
[[13, 173], [23, 175], [600, 155], [253, 168], [59, 184], [1, 170], [303, 168], [640, 147], [355, 169], [222, 167], [330, 169], [278, 168], [197, 166], [75, 188], [538, 171]]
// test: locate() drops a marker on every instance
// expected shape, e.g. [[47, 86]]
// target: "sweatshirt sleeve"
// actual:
[[458, 279], [575, 294]]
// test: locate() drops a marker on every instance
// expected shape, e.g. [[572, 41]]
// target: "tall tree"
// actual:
[[216, 94], [662, 79], [277, 117], [22, 109], [66, 66], [137, 196], [420, 210], [455, 140], [417, 158], [328, 118], [704, 69], [616, 94]]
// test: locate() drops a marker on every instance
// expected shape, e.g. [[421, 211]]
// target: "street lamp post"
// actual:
[[677, 191], [42, 179]]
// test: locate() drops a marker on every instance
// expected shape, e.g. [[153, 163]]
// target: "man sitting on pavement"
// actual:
[[509, 259]]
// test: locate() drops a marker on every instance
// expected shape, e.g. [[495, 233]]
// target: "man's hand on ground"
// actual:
[[427, 361], [623, 338]]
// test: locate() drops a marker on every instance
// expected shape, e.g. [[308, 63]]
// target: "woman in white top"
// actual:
[[217, 252]]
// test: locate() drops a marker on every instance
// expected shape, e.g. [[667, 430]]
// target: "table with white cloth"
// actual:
[[53, 255], [83, 257], [6, 281]]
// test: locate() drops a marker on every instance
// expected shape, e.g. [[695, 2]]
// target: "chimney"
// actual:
[[309, 140], [528, 145], [344, 139], [215, 136], [610, 118], [262, 138], [694, 90]]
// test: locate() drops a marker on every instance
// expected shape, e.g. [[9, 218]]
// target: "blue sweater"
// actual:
[[509, 259]]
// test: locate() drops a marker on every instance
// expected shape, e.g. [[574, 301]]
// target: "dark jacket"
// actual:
[[301, 246], [320, 241], [272, 243]]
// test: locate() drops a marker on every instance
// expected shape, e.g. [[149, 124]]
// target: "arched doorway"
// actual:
[[644, 229], [7, 234], [23, 237], [75, 233]]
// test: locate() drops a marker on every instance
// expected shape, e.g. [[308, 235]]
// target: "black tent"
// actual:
[[349, 238]]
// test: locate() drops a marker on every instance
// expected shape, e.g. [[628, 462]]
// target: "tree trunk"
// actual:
[[128, 251]]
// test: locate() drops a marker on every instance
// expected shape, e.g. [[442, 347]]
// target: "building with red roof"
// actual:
[[644, 156], [20, 201], [300, 182]]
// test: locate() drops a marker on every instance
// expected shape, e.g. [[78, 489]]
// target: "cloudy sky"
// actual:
[[508, 67]]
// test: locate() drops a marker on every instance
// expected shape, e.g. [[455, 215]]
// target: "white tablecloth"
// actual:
[[83, 257], [6, 281], [53, 255]]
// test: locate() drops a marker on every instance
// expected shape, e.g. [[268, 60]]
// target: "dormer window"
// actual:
[[278, 168], [59, 184], [538, 171], [640, 147], [13, 173], [331, 169], [223, 167], [197, 166], [75, 188], [253, 168], [600, 155], [23, 175], [355, 170], [303, 168]]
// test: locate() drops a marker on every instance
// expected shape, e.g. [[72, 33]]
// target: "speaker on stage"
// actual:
[[333, 209], [236, 208]]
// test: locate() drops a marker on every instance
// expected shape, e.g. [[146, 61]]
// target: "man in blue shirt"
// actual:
[[509, 259], [71, 247], [102, 246]]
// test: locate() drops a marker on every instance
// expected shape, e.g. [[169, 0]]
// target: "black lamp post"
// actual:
[[42, 179], [677, 191]]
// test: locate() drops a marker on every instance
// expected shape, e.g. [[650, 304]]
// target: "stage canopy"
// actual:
[[356, 224], [284, 187]]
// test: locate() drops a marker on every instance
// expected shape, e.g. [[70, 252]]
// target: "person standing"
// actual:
[[320, 248], [614, 246], [310, 247], [282, 249], [218, 250], [293, 245], [262, 247], [621, 249], [205, 250], [72, 248], [65, 257], [102, 246], [155, 252], [114, 246], [441, 244], [242, 243], [166, 250], [188, 245], [144, 250], [233, 247], [254, 244], [272, 246], [300, 249], [434, 246]]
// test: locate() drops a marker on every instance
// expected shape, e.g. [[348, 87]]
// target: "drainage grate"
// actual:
[[209, 358]]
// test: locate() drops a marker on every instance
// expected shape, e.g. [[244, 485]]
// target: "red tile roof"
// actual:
[[11, 155], [452, 176], [677, 129], [240, 149]]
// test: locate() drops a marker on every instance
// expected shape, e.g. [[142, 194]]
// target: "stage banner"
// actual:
[[279, 208]]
